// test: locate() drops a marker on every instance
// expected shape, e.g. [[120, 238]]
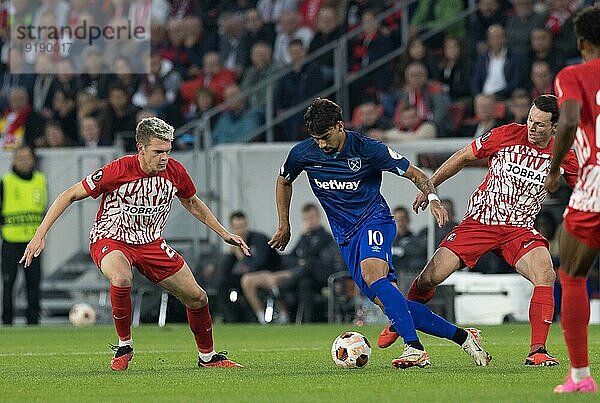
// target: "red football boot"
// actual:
[[219, 360], [123, 355], [387, 337]]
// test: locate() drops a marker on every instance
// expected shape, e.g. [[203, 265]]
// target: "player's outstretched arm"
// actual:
[[58, 207], [565, 135], [283, 196], [198, 209], [448, 169], [424, 184]]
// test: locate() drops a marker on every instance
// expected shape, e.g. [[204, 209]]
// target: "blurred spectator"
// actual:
[[518, 106], [520, 24], [213, 76], [124, 76], [408, 252], [65, 81], [497, 71], [94, 80], [63, 111], [58, 8], [327, 30], [488, 13], [542, 79], [356, 8], [183, 8], [410, 127], [541, 50], [370, 117], [204, 100], [118, 117], [272, 10], [304, 81], [18, 74], [230, 39], [453, 70], [87, 105], [41, 102], [309, 264], [160, 106], [188, 44], [237, 122], [89, 133], [415, 52], [23, 198], [54, 136], [235, 265], [432, 14], [428, 96], [161, 73], [19, 123], [309, 11], [262, 67], [485, 117], [289, 28], [365, 49], [255, 31]]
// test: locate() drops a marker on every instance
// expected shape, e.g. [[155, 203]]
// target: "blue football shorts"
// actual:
[[373, 240]]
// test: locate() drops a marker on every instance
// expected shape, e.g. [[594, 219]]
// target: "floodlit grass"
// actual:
[[282, 364]]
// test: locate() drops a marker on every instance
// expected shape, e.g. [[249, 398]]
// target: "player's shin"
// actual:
[[575, 317], [541, 312], [120, 299], [397, 311], [428, 322], [201, 326]]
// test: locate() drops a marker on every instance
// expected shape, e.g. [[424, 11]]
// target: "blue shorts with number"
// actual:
[[373, 240]]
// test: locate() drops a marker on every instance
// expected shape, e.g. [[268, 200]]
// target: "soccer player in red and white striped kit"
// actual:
[[578, 90], [500, 216], [137, 194]]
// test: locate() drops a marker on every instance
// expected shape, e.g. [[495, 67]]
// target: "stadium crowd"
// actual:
[[476, 74]]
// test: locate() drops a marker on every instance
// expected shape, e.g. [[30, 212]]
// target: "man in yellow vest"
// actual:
[[23, 200]]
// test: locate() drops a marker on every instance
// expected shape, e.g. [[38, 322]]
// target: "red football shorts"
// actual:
[[471, 239], [583, 225], [155, 260]]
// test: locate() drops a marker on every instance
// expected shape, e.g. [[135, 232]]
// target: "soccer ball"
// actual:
[[82, 315], [351, 350]]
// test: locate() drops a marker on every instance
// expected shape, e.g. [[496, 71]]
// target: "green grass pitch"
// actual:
[[282, 364]]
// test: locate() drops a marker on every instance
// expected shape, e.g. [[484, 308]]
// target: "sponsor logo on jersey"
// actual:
[[482, 139], [354, 164], [143, 210], [105, 249], [525, 173], [334, 184]]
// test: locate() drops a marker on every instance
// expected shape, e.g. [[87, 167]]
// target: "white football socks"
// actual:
[[206, 357], [126, 343], [579, 374]]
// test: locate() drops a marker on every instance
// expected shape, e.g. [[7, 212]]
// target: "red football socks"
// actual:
[[120, 299], [201, 325], [541, 311], [414, 294], [575, 317]]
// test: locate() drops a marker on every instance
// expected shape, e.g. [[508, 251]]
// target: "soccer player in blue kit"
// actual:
[[344, 170]]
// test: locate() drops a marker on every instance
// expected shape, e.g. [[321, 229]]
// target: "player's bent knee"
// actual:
[[120, 279]]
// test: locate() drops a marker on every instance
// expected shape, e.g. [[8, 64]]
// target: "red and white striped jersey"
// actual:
[[582, 83], [513, 191], [135, 205]]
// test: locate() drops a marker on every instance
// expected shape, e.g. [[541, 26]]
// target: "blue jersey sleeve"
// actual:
[[292, 167], [386, 159]]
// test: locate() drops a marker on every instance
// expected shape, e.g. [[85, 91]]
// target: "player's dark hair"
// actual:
[[402, 209], [237, 214], [321, 115], [586, 24], [548, 103]]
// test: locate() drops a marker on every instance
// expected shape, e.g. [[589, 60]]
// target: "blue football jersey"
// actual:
[[348, 183]]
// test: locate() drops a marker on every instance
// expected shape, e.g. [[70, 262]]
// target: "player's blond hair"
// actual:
[[153, 127]]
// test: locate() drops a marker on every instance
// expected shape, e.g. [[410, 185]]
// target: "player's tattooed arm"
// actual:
[[427, 193]]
